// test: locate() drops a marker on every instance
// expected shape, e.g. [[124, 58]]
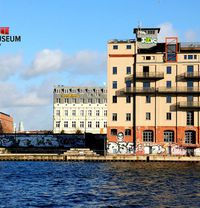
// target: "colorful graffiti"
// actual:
[[42, 140], [147, 148]]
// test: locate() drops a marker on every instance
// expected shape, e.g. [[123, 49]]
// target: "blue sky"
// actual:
[[64, 42]]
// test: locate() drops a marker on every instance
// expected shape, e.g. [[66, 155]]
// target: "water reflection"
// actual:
[[81, 184]]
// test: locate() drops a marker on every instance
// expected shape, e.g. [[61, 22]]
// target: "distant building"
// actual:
[[80, 109], [21, 127], [6, 123]]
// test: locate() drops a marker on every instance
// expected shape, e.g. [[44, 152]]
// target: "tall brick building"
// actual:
[[153, 95], [6, 123]]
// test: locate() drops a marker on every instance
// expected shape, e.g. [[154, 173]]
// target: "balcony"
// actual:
[[146, 76], [186, 105], [192, 75], [135, 90], [179, 90]]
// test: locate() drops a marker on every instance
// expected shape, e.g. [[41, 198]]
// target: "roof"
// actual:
[[146, 28]]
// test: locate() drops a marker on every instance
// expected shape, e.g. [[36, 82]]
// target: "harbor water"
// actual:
[[91, 184]]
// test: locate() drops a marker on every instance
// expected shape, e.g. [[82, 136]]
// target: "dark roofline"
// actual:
[[146, 28], [5, 114]]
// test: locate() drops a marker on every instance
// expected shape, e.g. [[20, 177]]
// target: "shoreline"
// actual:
[[107, 158]]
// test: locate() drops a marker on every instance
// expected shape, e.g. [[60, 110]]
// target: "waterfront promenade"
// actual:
[[107, 158]]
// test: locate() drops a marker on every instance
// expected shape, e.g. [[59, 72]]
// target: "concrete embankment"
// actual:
[[111, 158]]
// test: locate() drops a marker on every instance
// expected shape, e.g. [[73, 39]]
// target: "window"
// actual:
[[114, 132], [148, 57], [190, 137], [115, 47], [128, 117], [73, 100], [189, 98], [148, 116], [190, 69], [127, 132], [148, 99], [66, 100], [168, 136], [73, 112], [146, 84], [145, 69], [58, 100], [147, 136], [169, 69], [128, 83], [89, 112], [114, 99], [57, 124], [185, 56], [105, 124], [128, 99], [58, 112], [81, 124], [115, 70], [90, 100], [97, 124], [190, 83], [169, 116], [195, 56], [168, 84], [128, 46], [98, 100], [168, 99], [81, 112], [89, 124], [190, 56], [66, 112], [97, 113], [128, 70], [190, 118], [105, 113], [73, 124], [114, 116], [114, 84], [65, 124]]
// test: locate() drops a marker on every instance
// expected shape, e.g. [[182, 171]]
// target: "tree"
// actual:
[[78, 131]]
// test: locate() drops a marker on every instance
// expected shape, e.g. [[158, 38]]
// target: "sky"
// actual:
[[64, 42]]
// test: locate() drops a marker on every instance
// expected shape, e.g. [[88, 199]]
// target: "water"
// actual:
[[87, 184]]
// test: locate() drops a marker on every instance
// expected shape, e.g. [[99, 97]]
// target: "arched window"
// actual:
[[168, 136], [190, 137], [147, 136]]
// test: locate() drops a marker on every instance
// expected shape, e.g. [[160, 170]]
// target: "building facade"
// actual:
[[80, 110], [154, 95], [6, 123]]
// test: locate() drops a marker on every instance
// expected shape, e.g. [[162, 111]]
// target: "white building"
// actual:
[[80, 109]]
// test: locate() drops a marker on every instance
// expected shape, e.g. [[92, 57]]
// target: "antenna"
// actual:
[[139, 24]]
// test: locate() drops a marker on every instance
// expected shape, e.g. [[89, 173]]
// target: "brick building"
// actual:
[[6, 123], [153, 95]]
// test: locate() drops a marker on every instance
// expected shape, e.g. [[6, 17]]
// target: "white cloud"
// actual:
[[9, 65], [166, 30], [32, 106], [191, 36], [83, 62]]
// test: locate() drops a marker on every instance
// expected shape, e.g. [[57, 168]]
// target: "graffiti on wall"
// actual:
[[165, 149], [42, 141], [120, 147]]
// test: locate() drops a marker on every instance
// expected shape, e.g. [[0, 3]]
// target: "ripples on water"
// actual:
[[87, 184]]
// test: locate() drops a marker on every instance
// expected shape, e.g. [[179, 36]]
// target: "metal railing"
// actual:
[[131, 90], [179, 89], [192, 75], [146, 75], [192, 105]]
